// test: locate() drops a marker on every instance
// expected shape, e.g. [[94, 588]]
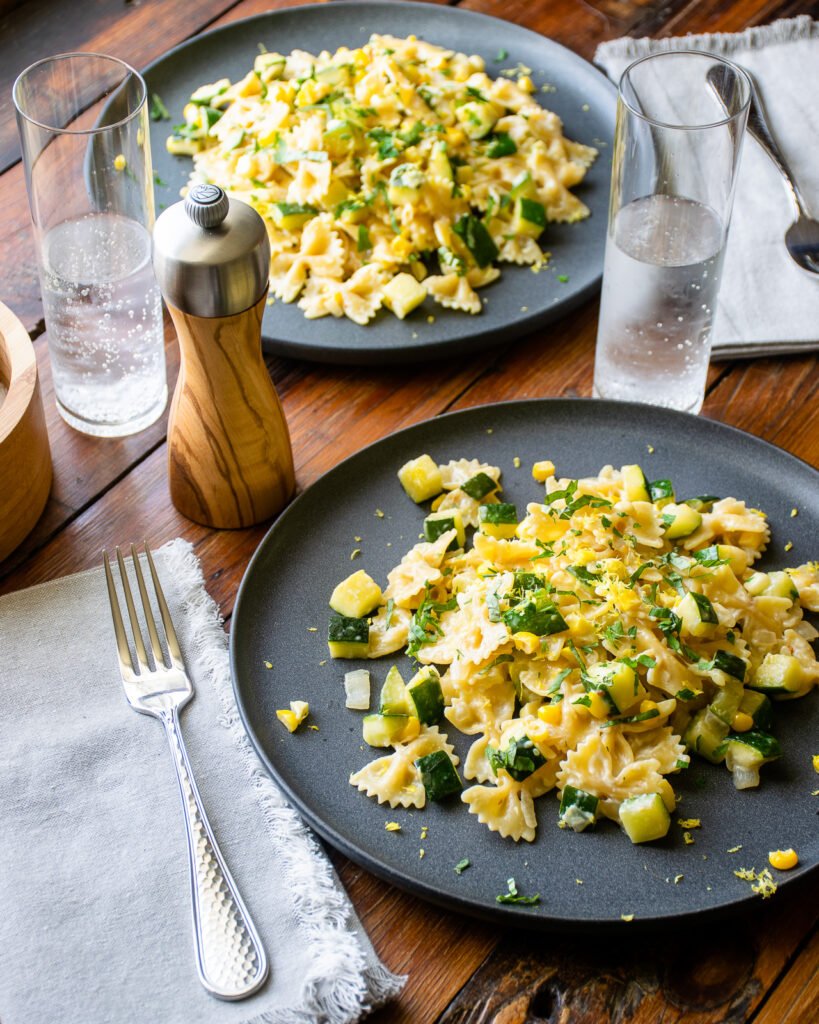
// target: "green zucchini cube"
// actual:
[[635, 484], [438, 523], [529, 217], [536, 614], [680, 521], [619, 683], [578, 809], [727, 702], [696, 614], [394, 696], [645, 817], [475, 236], [501, 144], [289, 216], [438, 775], [479, 485], [387, 730], [704, 503], [661, 492], [427, 696], [523, 185], [780, 584], [780, 675], [498, 520], [705, 734], [348, 637], [730, 664]]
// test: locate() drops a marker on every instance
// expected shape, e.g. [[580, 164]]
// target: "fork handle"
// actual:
[[230, 959]]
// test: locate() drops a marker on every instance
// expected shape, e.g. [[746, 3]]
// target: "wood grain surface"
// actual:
[[759, 967]]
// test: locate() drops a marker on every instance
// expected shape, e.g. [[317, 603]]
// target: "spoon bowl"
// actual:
[[802, 240]]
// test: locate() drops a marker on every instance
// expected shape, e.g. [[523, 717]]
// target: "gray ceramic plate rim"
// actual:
[[388, 341], [505, 914]]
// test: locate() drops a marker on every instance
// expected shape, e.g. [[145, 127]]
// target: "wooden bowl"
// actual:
[[25, 459]]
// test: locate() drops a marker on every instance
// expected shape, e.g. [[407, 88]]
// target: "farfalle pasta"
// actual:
[[386, 173], [590, 646]]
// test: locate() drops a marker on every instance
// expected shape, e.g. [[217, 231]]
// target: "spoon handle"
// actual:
[[759, 130]]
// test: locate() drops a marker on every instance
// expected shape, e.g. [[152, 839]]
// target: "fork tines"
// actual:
[[143, 663]]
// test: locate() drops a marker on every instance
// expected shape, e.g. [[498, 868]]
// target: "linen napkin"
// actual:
[[767, 305], [96, 920]]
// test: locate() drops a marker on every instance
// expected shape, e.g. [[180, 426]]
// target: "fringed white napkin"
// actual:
[[96, 924], [767, 305]]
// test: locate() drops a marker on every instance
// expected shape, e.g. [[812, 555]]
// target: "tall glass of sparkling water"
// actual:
[[83, 121], [676, 153]]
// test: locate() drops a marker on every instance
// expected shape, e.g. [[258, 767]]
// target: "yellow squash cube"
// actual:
[[645, 817], [356, 596], [421, 478]]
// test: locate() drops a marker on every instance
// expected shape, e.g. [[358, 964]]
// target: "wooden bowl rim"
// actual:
[[21, 358]]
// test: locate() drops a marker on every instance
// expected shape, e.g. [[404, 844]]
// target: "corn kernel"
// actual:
[[541, 471], [742, 722], [648, 705], [783, 860], [551, 714], [526, 84], [120, 163]]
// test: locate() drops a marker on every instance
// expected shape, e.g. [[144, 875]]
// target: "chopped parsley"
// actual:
[[159, 112], [513, 896], [461, 866]]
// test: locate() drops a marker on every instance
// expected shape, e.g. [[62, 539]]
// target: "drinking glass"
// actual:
[[83, 122], [676, 153]]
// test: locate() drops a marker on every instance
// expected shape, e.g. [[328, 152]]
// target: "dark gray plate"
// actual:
[[285, 592], [520, 301]]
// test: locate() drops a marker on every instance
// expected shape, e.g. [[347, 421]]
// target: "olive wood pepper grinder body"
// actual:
[[230, 463]]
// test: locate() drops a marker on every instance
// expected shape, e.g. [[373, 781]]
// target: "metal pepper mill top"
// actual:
[[230, 463]]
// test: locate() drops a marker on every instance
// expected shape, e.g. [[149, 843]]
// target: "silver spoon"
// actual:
[[802, 237]]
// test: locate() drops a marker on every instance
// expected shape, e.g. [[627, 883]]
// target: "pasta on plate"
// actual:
[[590, 646], [386, 173]]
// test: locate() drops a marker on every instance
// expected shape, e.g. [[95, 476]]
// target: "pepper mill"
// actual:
[[230, 463]]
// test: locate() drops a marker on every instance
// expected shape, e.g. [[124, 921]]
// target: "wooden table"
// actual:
[[762, 967]]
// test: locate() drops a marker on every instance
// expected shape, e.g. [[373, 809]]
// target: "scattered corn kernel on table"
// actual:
[[761, 968]]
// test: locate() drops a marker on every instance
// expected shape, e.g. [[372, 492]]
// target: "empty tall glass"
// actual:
[[676, 153], [83, 124]]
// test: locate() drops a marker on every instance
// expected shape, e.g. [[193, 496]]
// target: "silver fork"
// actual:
[[230, 959]]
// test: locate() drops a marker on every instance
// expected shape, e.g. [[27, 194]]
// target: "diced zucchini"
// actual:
[[758, 706], [352, 211], [635, 484], [705, 734], [498, 520], [476, 238], [386, 730], [536, 614], [403, 294], [661, 492], [780, 584], [527, 581], [450, 262], [206, 93], [177, 145], [334, 74], [619, 682], [421, 478], [356, 596], [520, 758], [270, 66], [578, 809], [479, 485], [727, 701], [357, 689], [756, 583], [730, 664], [477, 118], [645, 817], [439, 165], [395, 699], [780, 675], [704, 503], [529, 217], [746, 752], [348, 637], [289, 216], [501, 144], [680, 521], [438, 523], [340, 137], [426, 694], [522, 186], [696, 614], [438, 775], [406, 182]]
